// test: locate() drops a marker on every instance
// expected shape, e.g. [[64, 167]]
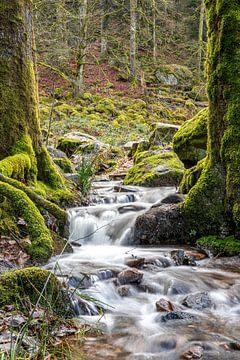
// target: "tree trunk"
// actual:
[[200, 39], [82, 46], [154, 32], [104, 27], [22, 155], [213, 204], [133, 37]]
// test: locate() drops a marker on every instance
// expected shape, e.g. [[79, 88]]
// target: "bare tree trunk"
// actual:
[[200, 39], [154, 32], [82, 46], [104, 27], [133, 37]]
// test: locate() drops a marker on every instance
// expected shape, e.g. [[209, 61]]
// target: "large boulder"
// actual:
[[163, 134], [174, 75], [164, 225], [155, 168], [190, 142]]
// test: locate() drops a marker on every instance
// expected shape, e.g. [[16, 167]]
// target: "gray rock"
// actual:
[[6, 265], [55, 153], [72, 177], [163, 134], [162, 225], [197, 301], [176, 287], [180, 258], [177, 315]]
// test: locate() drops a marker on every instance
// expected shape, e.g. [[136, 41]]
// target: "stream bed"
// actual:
[[152, 303]]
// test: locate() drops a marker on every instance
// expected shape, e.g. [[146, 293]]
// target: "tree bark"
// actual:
[[22, 154], [82, 46], [104, 27], [213, 204], [200, 39], [133, 37]]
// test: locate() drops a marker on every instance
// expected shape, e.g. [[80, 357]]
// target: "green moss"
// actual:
[[228, 246], [22, 288], [190, 142], [41, 245], [204, 206], [21, 164], [163, 169], [63, 197], [65, 164], [47, 171], [191, 177]]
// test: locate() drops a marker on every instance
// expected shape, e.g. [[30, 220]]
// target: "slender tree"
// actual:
[[133, 37], [200, 38]]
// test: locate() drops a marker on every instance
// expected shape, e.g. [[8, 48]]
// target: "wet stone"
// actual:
[[231, 346], [176, 315], [165, 305], [123, 290], [181, 258], [198, 301], [128, 276], [176, 287], [165, 344], [195, 352], [135, 262]]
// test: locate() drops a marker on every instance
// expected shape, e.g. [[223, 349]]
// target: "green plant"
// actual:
[[86, 172]]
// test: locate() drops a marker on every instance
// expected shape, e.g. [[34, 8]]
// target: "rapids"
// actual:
[[102, 238]]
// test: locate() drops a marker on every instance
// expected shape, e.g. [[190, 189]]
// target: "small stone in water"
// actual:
[[123, 290], [198, 301], [231, 346], [135, 263], [164, 305], [176, 315], [128, 276], [180, 258], [195, 352]]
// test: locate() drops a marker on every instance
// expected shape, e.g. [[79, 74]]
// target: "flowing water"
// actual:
[[207, 328]]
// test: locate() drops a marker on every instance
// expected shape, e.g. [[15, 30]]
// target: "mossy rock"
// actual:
[[190, 142], [78, 142], [229, 246], [173, 75], [22, 288], [191, 176], [156, 169], [65, 164], [163, 134]]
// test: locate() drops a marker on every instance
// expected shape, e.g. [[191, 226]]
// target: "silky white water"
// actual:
[[105, 231]]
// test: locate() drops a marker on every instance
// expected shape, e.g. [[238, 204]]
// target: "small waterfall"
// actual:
[[128, 309]]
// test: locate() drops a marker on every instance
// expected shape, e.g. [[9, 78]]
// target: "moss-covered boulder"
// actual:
[[65, 164], [27, 287], [191, 176], [174, 75], [190, 142], [78, 142], [156, 168], [163, 134]]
